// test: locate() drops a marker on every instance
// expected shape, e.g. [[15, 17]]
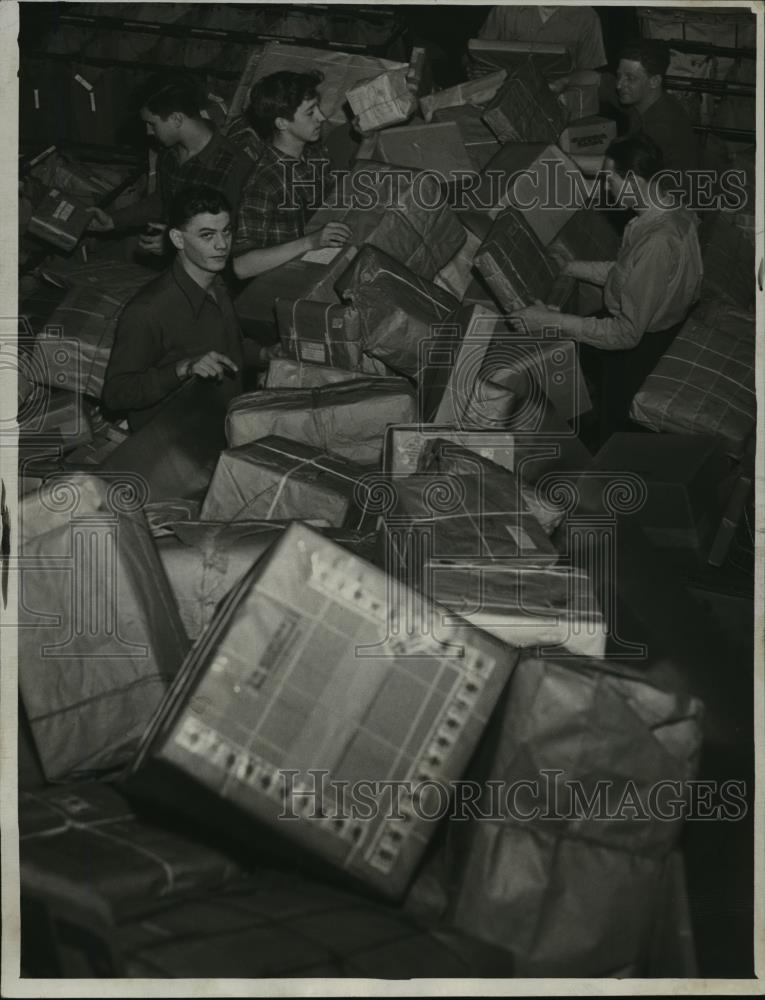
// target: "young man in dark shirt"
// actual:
[[192, 152], [182, 324], [290, 179]]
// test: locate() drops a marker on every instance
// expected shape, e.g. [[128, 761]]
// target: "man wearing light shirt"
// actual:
[[649, 288]]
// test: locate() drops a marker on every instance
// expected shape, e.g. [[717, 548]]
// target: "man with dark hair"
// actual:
[[290, 180], [192, 153], [647, 291], [640, 85], [182, 324]]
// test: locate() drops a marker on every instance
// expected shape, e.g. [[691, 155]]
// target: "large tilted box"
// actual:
[[348, 419], [99, 634], [525, 109], [311, 665]]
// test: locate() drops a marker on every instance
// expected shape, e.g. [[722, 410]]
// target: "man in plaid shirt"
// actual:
[[192, 153], [290, 180]]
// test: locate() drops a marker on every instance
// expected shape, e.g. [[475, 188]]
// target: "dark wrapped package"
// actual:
[[320, 333], [286, 373], [684, 477], [539, 181], [275, 478], [454, 457], [348, 419], [99, 636], [59, 219], [525, 109], [310, 665], [280, 924], [516, 268], [400, 211], [550, 59], [84, 851], [567, 870], [705, 381], [396, 310], [464, 517], [203, 562]]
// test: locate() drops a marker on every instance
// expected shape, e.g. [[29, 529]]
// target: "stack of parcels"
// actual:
[[473, 536], [311, 662], [118, 896], [566, 866], [347, 419], [382, 101], [342, 72], [99, 634], [525, 109], [705, 381]]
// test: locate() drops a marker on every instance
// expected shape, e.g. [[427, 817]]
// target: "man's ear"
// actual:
[[654, 82], [176, 238], [280, 124], [176, 118]]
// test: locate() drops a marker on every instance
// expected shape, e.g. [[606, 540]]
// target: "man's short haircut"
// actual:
[[636, 153], [279, 95], [164, 93], [651, 53], [199, 199]]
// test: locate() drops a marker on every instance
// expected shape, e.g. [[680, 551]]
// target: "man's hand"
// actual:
[[210, 365], [334, 234], [100, 221], [152, 239], [534, 319]]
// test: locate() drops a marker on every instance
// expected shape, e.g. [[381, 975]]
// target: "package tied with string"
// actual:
[[349, 419], [384, 100], [274, 478]]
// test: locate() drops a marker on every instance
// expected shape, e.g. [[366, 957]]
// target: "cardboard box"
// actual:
[[587, 135], [87, 856], [382, 101], [400, 211], [274, 478], [347, 419], [525, 109], [284, 373], [396, 310], [320, 333], [356, 706], [452, 361], [59, 219], [478, 139], [539, 181], [93, 668]]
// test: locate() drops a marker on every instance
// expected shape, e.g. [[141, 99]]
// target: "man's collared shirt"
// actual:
[[280, 196], [654, 281], [577, 28], [171, 319]]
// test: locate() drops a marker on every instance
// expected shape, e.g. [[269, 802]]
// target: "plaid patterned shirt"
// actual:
[[280, 196], [221, 164]]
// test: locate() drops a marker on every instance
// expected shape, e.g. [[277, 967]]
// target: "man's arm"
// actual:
[[136, 378], [594, 271]]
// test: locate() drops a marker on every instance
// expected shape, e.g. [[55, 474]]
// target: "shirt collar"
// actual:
[[195, 294]]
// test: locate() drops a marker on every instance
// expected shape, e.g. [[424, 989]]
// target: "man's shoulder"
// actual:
[[668, 108], [163, 287]]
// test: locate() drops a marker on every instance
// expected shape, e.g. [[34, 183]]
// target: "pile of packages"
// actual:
[[380, 575]]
